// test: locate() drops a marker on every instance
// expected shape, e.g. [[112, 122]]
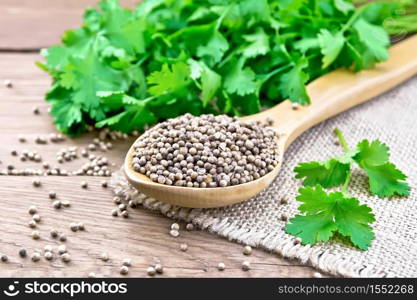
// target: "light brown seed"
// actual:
[[124, 270]]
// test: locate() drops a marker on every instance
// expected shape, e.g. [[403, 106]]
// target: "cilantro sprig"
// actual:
[[127, 68], [327, 214]]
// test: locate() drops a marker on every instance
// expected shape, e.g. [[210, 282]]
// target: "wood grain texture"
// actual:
[[46, 20], [143, 236]]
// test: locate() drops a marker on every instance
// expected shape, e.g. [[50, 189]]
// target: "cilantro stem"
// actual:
[[342, 139], [346, 183]]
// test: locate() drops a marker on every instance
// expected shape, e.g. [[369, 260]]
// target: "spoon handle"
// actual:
[[342, 89]]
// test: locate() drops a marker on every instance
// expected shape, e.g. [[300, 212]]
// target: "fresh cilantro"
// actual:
[[325, 215], [206, 56]]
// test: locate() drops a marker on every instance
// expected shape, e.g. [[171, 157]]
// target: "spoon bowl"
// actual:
[[330, 95]]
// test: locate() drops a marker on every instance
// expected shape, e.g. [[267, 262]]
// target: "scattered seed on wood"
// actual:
[[127, 262], [35, 235], [36, 110], [48, 255], [117, 200], [36, 218], [33, 209], [4, 258], [54, 233], [62, 238], [21, 138], [247, 250], [174, 233], [297, 241], [81, 226], [92, 275], [317, 275], [159, 269], [284, 199], [66, 203], [114, 212], [13, 153], [41, 140], [183, 247], [133, 203], [36, 256], [52, 195], [74, 227], [124, 270], [48, 248], [175, 226], [56, 204], [23, 253], [284, 217], [336, 142], [62, 249], [151, 271], [295, 106], [245, 265], [104, 256], [122, 206], [66, 257], [32, 224], [36, 183], [124, 214], [104, 184], [84, 184], [221, 266], [8, 83], [189, 226]]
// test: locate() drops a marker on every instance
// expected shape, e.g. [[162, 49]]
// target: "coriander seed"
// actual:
[[23, 253], [53, 233], [66, 203], [74, 227], [175, 226], [247, 250], [52, 195], [124, 270], [81, 226], [57, 204], [48, 255], [48, 248], [35, 235], [92, 275], [32, 224], [36, 256], [114, 212], [151, 271], [62, 249], [4, 258], [62, 238], [189, 226], [36, 183], [36, 218], [104, 256], [221, 266], [183, 247], [84, 184], [159, 269], [124, 214], [174, 233], [8, 83], [104, 183], [66, 258], [33, 209], [36, 111], [317, 275], [127, 262], [245, 265]]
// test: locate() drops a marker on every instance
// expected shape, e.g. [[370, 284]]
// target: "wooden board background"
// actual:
[[26, 26]]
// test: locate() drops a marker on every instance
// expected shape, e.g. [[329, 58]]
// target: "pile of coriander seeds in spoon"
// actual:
[[206, 151]]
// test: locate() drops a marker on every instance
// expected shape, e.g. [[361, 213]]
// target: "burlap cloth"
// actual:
[[392, 118]]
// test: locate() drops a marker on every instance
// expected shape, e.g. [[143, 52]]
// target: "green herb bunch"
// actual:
[[128, 68], [338, 213]]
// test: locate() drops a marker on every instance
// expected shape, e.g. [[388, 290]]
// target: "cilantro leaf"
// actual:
[[331, 45], [293, 82], [258, 44], [240, 81], [168, 79], [326, 214], [385, 180]]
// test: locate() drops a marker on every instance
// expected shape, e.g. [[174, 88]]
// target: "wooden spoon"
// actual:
[[330, 95]]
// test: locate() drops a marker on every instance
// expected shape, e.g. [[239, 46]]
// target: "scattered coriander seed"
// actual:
[[81, 226], [23, 253], [32, 224], [127, 262], [92, 275], [221, 266], [52, 195], [4, 258], [297, 241], [104, 183], [114, 213], [159, 269], [48, 248], [35, 235], [284, 217], [245, 265], [36, 110], [84, 184], [174, 233], [54, 233], [8, 83], [104, 256], [13, 153], [295, 106], [247, 250], [133, 203], [175, 226], [336, 142], [36, 183], [183, 247], [36, 218], [122, 206], [48, 255], [66, 257], [117, 200], [189, 226], [317, 275], [33, 209], [21, 138], [124, 270], [124, 214], [151, 271], [36, 256], [284, 199], [62, 249], [62, 238], [57, 204], [74, 227], [66, 203]]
